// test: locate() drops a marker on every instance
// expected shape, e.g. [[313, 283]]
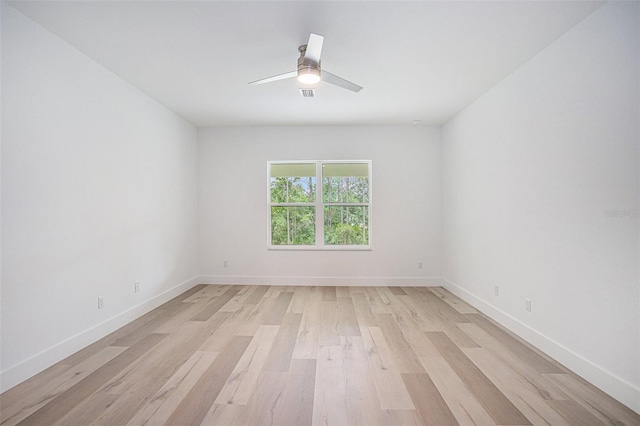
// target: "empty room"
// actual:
[[320, 213]]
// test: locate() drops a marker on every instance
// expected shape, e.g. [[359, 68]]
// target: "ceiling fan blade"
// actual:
[[276, 78], [339, 81], [314, 47]]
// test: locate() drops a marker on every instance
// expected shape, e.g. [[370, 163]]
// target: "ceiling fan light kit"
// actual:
[[308, 75], [308, 71]]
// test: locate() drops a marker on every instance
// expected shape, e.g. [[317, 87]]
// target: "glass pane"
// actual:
[[293, 170], [345, 189], [293, 226], [346, 225], [293, 189], [345, 169]]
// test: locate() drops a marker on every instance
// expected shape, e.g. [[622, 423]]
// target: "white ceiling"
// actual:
[[421, 60]]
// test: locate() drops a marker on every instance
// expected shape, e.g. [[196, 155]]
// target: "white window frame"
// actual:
[[319, 208]]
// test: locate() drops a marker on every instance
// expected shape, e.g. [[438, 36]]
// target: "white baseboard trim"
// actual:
[[616, 387], [322, 281], [45, 359]]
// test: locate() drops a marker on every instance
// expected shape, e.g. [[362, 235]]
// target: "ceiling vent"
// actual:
[[308, 93]]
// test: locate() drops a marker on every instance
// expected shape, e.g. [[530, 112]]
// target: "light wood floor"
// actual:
[[253, 355]]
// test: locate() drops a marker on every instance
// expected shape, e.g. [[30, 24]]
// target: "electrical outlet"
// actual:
[[528, 304], [136, 287], [419, 265], [496, 290], [100, 302]]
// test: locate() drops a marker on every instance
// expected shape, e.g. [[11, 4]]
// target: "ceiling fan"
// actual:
[[309, 71]]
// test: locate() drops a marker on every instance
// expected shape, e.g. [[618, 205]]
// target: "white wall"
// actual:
[[406, 211], [532, 171], [98, 191]]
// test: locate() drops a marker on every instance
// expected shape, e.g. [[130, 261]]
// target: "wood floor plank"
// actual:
[[397, 291], [73, 396], [375, 301], [256, 294], [428, 401], [378, 349], [86, 411], [17, 403], [237, 301], [279, 357], [402, 418], [233, 325], [454, 301], [196, 404], [306, 346], [299, 299], [522, 393], [276, 312], [183, 313], [329, 294], [175, 349], [407, 321], [543, 386], [215, 305], [574, 413], [526, 353], [392, 392], [420, 313], [224, 415], [201, 291], [243, 378], [275, 290], [329, 334], [347, 319], [405, 357], [160, 407], [442, 308], [330, 395], [137, 383], [364, 312], [295, 407], [157, 316], [386, 297], [54, 383], [363, 405], [262, 407], [441, 317], [463, 404], [607, 409], [253, 315], [343, 291], [497, 405]]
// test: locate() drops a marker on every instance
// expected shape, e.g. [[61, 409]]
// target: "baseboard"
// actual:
[[39, 362], [322, 281], [623, 391]]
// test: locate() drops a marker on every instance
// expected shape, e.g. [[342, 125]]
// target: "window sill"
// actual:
[[316, 248]]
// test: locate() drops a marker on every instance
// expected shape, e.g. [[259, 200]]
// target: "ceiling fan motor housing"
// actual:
[[306, 65]]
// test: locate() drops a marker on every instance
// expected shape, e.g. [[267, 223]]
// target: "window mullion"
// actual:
[[347, 204], [292, 204], [319, 206]]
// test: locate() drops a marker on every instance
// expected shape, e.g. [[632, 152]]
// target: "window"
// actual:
[[319, 205]]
